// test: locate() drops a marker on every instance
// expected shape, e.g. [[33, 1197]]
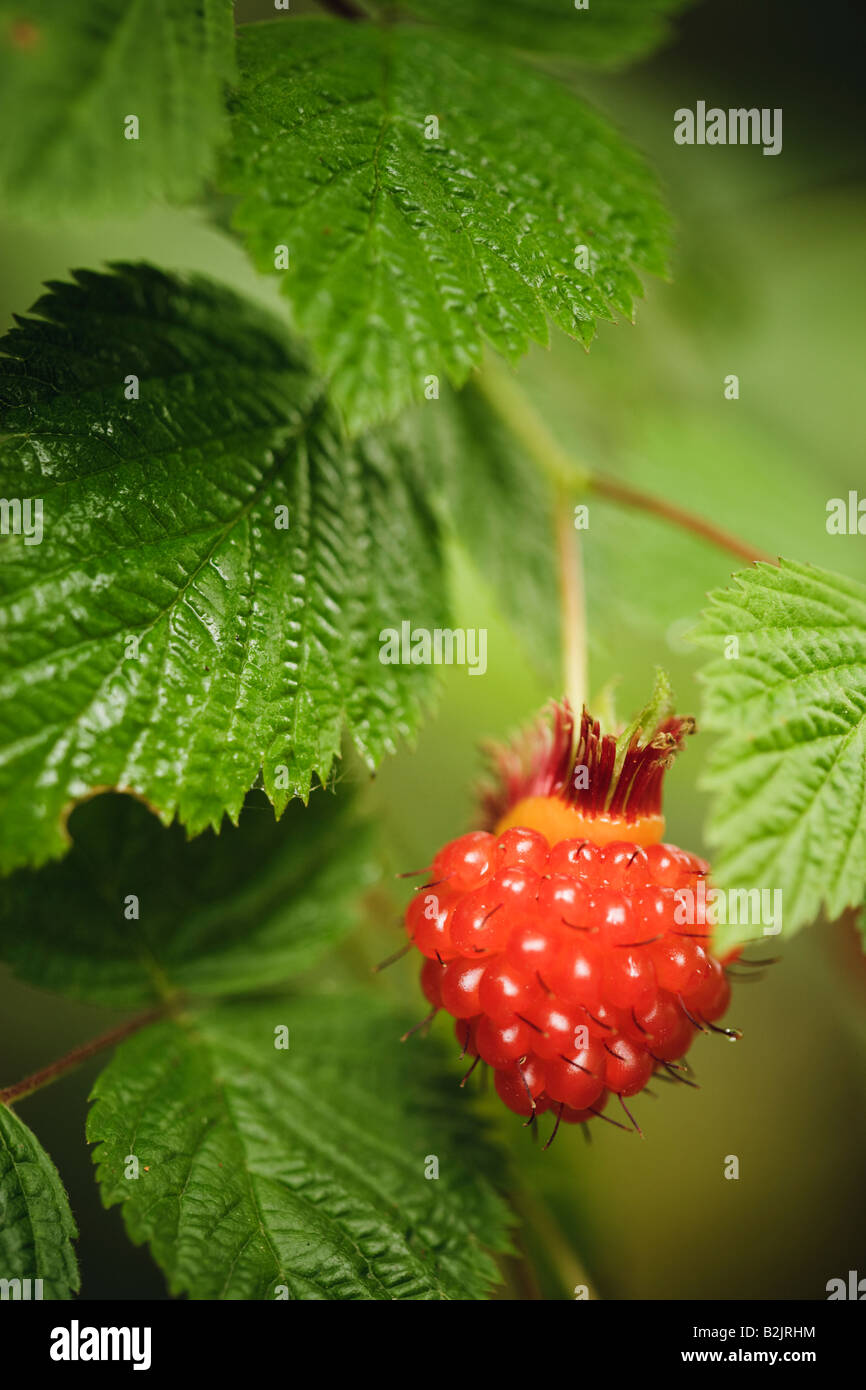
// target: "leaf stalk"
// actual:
[[568, 476], [55, 1070]]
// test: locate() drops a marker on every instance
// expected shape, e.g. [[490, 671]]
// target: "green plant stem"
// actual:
[[567, 475], [572, 604], [527, 427], [73, 1059]]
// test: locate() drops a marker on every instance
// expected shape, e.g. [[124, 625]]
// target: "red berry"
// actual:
[[576, 974], [507, 991], [459, 988], [712, 996], [576, 857], [555, 942], [622, 863], [628, 1067], [465, 1030], [681, 964], [564, 895], [480, 924], [677, 1042], [557, 1029], [655, 909], [519, 1085], [533, 946], [465, 863], [666, 866], [655, 1022], [519, 846], [431, 981], [516, 884], [501, 1043], [428, 924], [629, 977], [580, 1117], [614, 917], [607, 1020], [577, 1079]]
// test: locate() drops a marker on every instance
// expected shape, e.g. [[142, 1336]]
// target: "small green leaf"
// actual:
[[788, 696], [604, 33], [73, 73], [659, 706], [36, 1225], [408, 246], [215, 567], [134, 910], [298, 1172]]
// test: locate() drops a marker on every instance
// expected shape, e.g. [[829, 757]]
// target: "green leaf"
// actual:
[[304, 1167], [605, 33], [407, 253], [788, 696], [71, 75], [219, 915], [36, 1225], [166, 637], [659, 707]]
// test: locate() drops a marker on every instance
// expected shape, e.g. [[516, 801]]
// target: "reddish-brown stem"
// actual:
[[29, 1084], [669, 511], [568, 476]]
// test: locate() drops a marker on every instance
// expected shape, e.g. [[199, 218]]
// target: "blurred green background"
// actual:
[[768, 284]]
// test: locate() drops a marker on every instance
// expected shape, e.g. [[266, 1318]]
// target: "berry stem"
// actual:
[[572, 604], [528, 428], [570, 477], [678, 516], [55, 1070]]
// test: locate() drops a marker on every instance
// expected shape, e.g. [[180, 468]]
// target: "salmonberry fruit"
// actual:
[[563, 938]]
